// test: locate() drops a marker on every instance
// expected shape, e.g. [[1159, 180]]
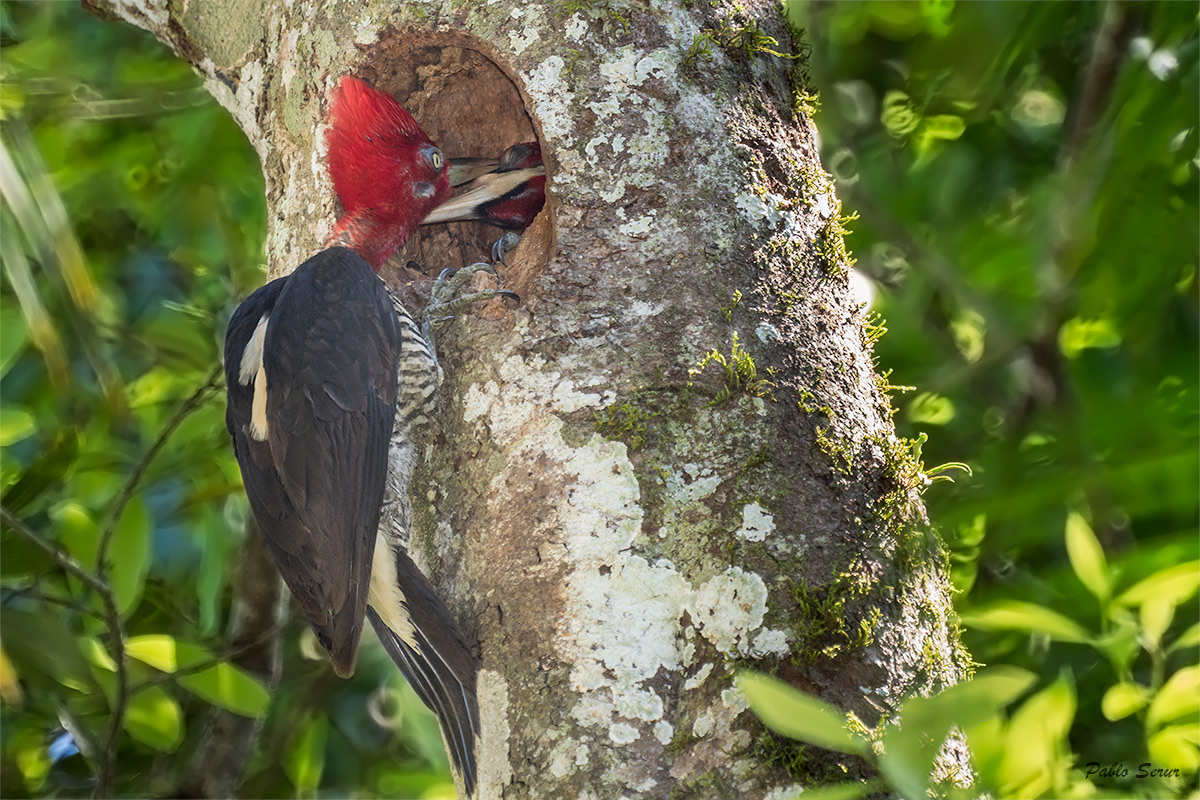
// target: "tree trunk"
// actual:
[[674, 460]]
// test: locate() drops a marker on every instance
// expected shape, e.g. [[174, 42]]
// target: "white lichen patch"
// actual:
[[663, 731], [770, 642], [685, 489], [552, 101], [524, 398], [757, 523], [621, 733], [792, 792], [495, 771], [728, 608], [576, 28], [638, 227], [697, 680]]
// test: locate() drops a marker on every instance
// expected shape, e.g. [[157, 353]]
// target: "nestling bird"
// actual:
[[328, 375], [509, 196]]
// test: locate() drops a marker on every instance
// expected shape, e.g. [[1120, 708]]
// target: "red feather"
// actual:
[[378, 160]]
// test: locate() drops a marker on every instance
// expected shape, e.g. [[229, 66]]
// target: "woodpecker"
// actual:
[[328, 377], [509, 196]]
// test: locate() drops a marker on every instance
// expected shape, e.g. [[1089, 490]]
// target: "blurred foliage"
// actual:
[[1027, 224], [133, 221], [1040, 290]]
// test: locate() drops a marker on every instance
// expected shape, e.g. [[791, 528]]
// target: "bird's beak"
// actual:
[[469, 204], [465, 170]]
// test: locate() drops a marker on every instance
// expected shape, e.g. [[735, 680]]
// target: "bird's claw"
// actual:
[[505, 245], [442, 301]]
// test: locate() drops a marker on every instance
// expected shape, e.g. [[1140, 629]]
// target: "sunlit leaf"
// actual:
[[1036, 734], [1022, 616], [1123, 699], [1175, 747], [306, 760], [153, 718], [1156, 616], [792, 713], [230, 688], [1179, 697], [15, 424], [1078, 335], [1174, 585], [157, 650], [1087, 557], [931, 409], [95, 654], [910, 748], [129, 555], [78, 533], [1189, 638]]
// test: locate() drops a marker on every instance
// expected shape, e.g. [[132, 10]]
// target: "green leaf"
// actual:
[[931, 409], [95, 654], [1178, 697], [1123, 699], [1036, 734], [1175, 747], [129, 555], [14, 335], [910, 749], [41, 646], [154, 719], [230, 688], [1019, 615], [306, 760], [1087, 557], [1156, 615], [78, 533], [1174, 584], [157, 650], [943, 126], [846, 790], [792, 713], [1189, 638], [48, 470], [15, 424]]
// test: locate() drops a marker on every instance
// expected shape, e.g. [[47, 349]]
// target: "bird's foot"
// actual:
[[443, 302], [505, 245]]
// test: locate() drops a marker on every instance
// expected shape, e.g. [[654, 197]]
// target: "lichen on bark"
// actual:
[[620, 519]]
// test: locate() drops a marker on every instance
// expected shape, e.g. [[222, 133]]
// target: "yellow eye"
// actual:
[[435, 158]]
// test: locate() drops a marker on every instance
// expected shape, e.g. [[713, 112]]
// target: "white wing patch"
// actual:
[[251, 371], [385, 595]]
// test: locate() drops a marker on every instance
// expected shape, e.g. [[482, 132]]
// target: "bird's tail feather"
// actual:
[[434, 658]]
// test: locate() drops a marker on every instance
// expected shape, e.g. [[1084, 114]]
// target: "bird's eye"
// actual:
[[435, 158]]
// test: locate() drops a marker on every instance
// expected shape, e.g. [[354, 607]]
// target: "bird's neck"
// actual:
[[376, 241]]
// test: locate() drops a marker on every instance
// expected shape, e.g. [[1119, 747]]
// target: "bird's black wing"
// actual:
[[329, 357]]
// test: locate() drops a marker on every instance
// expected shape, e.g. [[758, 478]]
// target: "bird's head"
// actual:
[[386, 171]]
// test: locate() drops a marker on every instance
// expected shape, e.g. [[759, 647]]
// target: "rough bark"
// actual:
[[621, 521]]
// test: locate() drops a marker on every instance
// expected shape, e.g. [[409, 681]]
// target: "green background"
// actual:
[[1039, 291]]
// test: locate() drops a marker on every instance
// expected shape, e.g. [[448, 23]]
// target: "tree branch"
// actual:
[[186, 408]]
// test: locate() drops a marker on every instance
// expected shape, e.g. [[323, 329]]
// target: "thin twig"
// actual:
[[108, 751], [186, 408], [59, 557], [220, 658]]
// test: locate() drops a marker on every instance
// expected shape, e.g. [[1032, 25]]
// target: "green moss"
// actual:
[[709, 785], [601, 6], [822, 627], [624, 422], [682, 740], [740, 372], [727, 311], [839, 450]]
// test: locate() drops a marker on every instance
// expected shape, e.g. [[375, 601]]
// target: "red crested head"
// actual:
[[387, 173]]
